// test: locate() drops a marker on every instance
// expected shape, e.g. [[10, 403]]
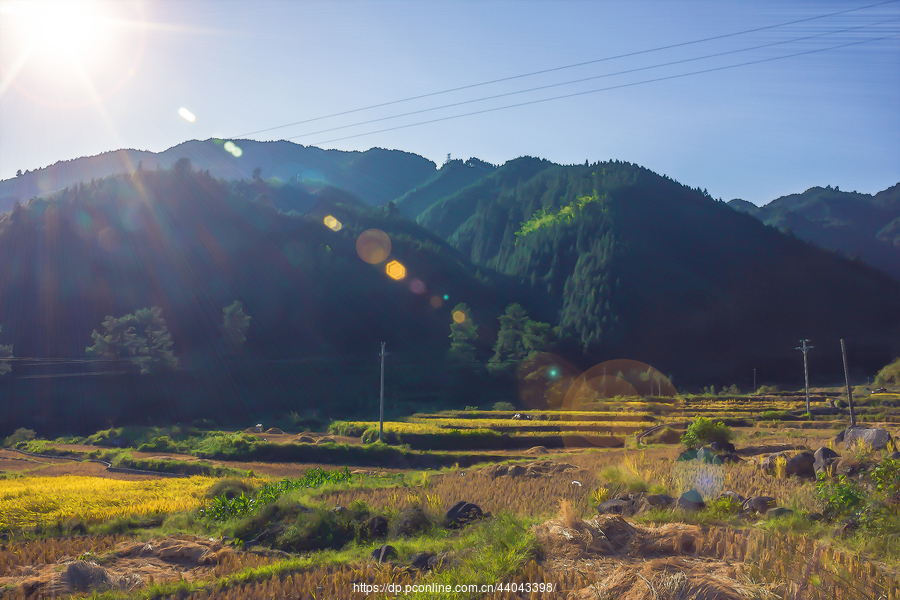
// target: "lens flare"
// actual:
[[395, 270], [332, 223], [187, 115], [233, 149], [459, 316], [417, 286], [436, 302], [374, 246]]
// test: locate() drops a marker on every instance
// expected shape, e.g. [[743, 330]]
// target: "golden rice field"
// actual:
[[435, 426], [35, 501]]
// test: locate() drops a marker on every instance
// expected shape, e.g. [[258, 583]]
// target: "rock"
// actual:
[[383, 553], [734, 496], [412, 521], [436, 562], [894, 456], [758, 504], [778, 511], [420, 561], [801, 465], [815, 516], [515, 471], [83, 575], [839, 438], [659, 500], [720, 447], [847, 465], [306, 439], [495, 471], [876, 438], [376, 527], [824, 458], [462, 513], [691, 501], [615, 507], [768, 463], [730, 458], [666, 435]]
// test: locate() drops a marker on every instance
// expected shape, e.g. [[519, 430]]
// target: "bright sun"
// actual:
[[60, 29]]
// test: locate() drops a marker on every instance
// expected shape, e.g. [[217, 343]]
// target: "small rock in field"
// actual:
[[801, 465], [691, 500], [420, 561], [778, 511], [383, 553], [823, 458], [759, 504]]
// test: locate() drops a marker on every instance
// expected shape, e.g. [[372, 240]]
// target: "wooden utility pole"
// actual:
[[847, 379], [754, 379], [381, 402], [804, 348]]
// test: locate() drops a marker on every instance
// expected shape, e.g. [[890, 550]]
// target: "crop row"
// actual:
[[37, 501]]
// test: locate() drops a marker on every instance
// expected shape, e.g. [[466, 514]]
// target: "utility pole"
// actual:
[[804, 348], [381, 402], [847, 379], [754, 379]]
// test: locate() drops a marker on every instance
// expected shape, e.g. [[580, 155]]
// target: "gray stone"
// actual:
[[462, 513], [778, 511], [801, 465], [734, 496], [384, 553], [824, 457], [691, 501], [421, 560], [615, 507], [894, 456], [768, 464], [758, 504], [876, 438], [377, 527], [657, 500]]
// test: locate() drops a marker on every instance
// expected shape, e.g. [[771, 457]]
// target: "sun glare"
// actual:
[[60, 28]]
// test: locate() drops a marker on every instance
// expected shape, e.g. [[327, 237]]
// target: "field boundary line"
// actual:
[[108, 465]]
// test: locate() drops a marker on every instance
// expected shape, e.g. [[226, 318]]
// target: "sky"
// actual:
[[819, 103]]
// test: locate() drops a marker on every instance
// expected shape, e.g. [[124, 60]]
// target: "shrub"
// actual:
[[370, 436], [702, 431], [886, 477], [889, 375], [507, 406], [765, 390], [723, 507], [19, 435], [839, 498]]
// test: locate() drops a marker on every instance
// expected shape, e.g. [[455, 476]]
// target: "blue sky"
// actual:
[[97, 77]]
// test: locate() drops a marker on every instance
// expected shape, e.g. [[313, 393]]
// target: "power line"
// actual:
[[564, 67], [592, 78], [606, 89]]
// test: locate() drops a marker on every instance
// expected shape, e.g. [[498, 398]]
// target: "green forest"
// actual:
[[168, 294]]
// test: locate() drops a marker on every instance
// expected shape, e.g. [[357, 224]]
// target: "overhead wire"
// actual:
[[565, 67], [606, 89], [592, 78]]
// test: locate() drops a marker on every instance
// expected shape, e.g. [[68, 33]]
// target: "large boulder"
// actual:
[[421, 560], [615, 507], [758, 504], [659, 500], [801, 465], [462, 513], [876, 438], [768, 463], [721, 447], [824, 458], [691, 501], [384, 553]]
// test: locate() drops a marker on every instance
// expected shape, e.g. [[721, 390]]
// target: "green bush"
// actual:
[[886, 477], [773, 415], [503, 406], [702, 431], [345, 429], [19, 435], [839, 498], [370, 436], [723, 507]]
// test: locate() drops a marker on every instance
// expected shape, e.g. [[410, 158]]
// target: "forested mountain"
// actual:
[[167, 293], [179, 240], [854, 224], [376, 175], [453, 176], [641, 267]]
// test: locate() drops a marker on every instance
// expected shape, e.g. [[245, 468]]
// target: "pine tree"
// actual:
[[5, 352], [510, 347], [141, 338], [463, 333], [235, 324]]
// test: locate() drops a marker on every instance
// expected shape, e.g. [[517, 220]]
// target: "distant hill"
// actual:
[[641, 267], [364, 174], [452, 177], [857, 225]]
